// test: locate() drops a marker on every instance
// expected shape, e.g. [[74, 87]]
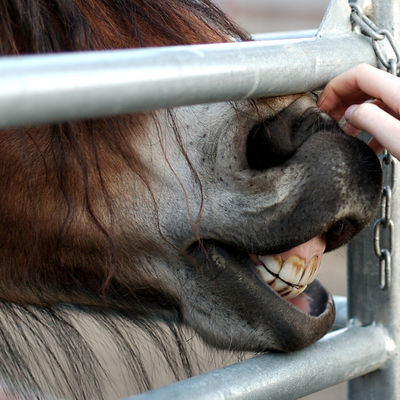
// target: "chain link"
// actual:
[[379, 37], [385, 222]]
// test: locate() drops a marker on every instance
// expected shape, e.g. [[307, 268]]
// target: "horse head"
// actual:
[[215, 216], [264, 188]]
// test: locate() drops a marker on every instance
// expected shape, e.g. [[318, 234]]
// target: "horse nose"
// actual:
[[274, 141]]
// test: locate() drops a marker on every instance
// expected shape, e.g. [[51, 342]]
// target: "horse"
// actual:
[[141, 249]]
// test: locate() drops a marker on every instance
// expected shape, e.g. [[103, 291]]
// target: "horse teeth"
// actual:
[[273, 263], [264, 274], [292, 270], [314, 265], [278, 285], [288, 278], [294, 292], [310, 272]]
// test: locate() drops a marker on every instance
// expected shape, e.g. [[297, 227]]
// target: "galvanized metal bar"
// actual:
[[341, 355], [341, 318], [49, 88], [368, 303], [386, 13], [287, 35]]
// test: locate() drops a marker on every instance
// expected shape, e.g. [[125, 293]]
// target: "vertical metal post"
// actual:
[[367, 302], [387, 14]]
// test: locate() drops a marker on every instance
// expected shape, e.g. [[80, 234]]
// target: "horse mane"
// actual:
[[58, 240], [34, 26], [57, 236]]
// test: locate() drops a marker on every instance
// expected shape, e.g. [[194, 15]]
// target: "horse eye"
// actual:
[[267, 148]]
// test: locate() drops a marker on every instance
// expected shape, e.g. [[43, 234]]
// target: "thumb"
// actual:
[[349, 112], [384, 127]]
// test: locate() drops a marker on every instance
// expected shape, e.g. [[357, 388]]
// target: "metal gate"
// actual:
[[49, 88]]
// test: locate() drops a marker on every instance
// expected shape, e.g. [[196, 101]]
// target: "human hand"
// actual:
[[350, 94]]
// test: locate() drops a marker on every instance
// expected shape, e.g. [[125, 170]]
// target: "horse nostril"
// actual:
[[275, 140], [340, 233], [338, 228], [266, 147]]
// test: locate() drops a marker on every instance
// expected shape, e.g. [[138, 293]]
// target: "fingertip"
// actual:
[[349, 129], [349, 111], [325, 101], [330, 105], [321, 100]]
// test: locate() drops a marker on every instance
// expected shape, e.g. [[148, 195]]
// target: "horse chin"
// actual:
[[256, 317]]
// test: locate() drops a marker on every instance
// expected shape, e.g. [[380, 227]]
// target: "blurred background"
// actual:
[[260, 16]]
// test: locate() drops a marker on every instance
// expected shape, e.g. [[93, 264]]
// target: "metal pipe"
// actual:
[[287, 35], [341, 318], [341, 355], [50, 88], [368, 302], [387, 14]]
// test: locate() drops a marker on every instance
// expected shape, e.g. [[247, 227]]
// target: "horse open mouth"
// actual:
[[289, 276], [291, 272], [267, 294], [276, 293]]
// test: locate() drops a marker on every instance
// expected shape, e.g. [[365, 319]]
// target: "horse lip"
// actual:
[[294, 328]]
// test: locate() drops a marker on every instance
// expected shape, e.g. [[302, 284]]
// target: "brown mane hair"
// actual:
[[56, 212]]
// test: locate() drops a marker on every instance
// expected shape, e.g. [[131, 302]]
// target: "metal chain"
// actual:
[[385, 221], [378, 36]]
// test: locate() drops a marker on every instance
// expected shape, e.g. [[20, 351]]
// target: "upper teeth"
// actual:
[[288, 278]]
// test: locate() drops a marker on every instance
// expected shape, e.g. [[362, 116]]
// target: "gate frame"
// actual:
[[60, 87], [55, 88], [367, 349]]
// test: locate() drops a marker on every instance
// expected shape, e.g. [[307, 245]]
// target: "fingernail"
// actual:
[[348, 113]]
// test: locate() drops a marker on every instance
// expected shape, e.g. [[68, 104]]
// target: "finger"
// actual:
[[375, 146], [341, 92], [384, 107], [357, 85], [378, 123], [335, 105], [349, 129]]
